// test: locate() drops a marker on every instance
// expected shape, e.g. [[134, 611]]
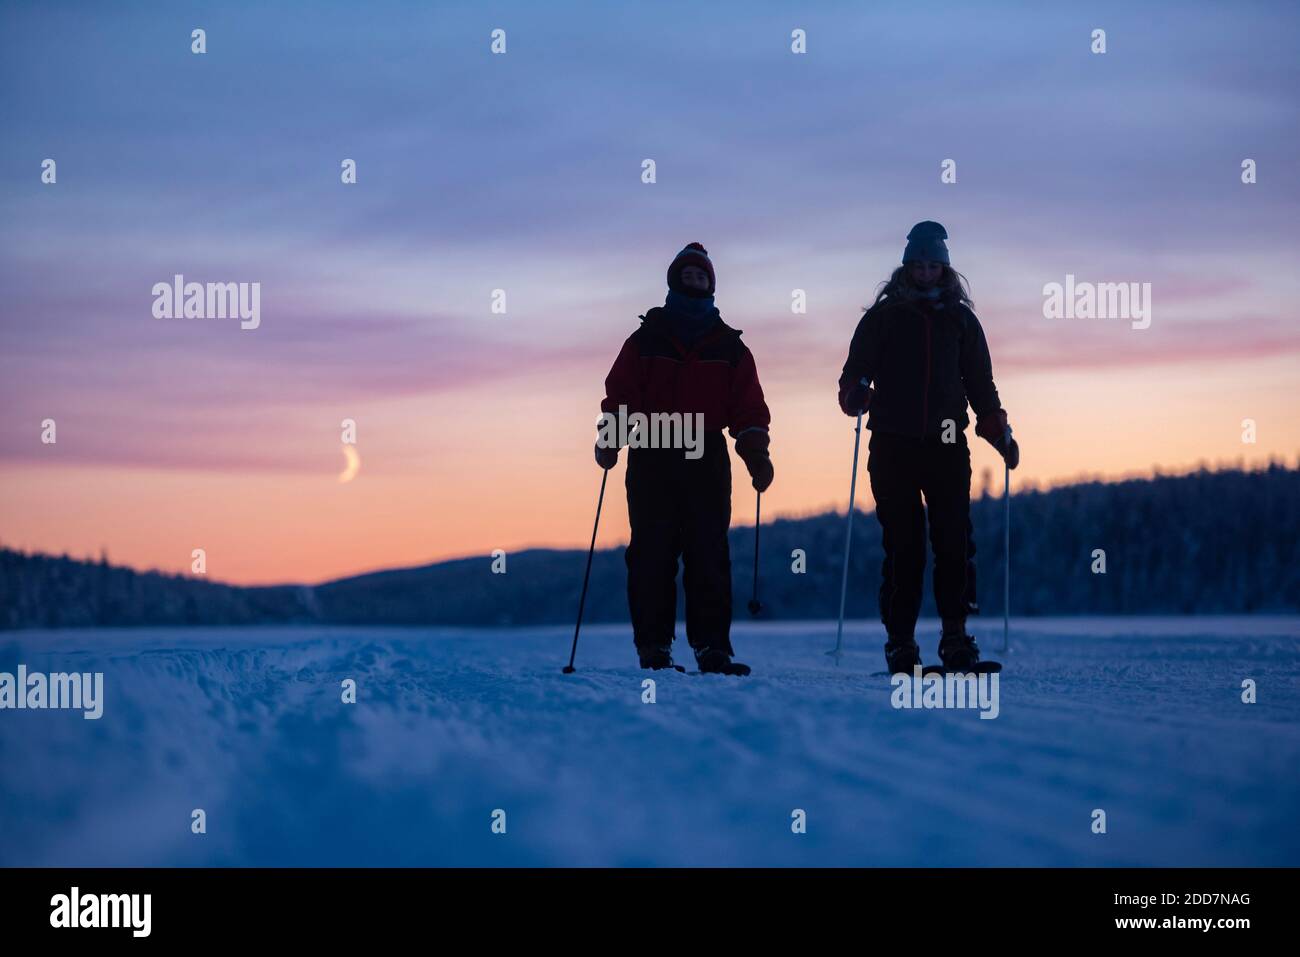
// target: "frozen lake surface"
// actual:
[[1142, 718]]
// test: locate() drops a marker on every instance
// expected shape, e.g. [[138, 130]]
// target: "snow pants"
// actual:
[[903, 469], [680, 508]]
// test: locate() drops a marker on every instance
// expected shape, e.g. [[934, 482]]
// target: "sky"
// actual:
[[522, 171]]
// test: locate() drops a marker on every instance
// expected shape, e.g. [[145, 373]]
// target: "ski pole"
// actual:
[[1006, 546], [755, 606], [586, 577], [848, 538]]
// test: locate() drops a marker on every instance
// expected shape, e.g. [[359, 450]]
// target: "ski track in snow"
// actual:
[[1140, 717]]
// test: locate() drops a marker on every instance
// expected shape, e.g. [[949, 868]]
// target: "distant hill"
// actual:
[[1205, 543]]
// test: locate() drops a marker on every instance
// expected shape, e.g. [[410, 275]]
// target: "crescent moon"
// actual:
[[353, 465]]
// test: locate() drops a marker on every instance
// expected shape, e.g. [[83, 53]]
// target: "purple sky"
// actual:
[[522, 172]]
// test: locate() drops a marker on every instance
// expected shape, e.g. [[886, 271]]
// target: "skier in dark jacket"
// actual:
[[685, 359], [917, 357]]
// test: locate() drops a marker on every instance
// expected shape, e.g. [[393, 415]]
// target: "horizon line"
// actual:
[[1031, 487]]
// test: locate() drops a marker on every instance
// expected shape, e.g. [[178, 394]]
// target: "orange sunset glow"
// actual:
[[436, 482]]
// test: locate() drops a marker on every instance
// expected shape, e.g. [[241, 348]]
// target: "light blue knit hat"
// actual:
[[926, 241]]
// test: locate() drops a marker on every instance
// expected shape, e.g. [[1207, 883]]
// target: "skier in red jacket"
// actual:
[[684, 361]]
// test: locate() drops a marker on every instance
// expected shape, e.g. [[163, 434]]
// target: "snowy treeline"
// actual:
[[1204, 543], [47, 591], [1208, 542]]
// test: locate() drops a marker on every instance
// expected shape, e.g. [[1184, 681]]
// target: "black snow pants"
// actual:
[[680, 508], [903, 469]]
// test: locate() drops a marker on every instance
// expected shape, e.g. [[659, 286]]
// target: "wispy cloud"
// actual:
[[522, 173]]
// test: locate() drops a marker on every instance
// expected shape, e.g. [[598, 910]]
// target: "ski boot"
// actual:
[[960, 654], [901, 655], [658, 659], [714, 661]]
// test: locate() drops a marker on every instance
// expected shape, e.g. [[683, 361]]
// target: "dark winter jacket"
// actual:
[[925, 359], [715, 375]]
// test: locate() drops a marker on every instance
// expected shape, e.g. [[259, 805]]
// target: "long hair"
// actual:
[[952, 285]]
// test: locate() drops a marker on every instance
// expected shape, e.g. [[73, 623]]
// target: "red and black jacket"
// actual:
[[925, 359], [715, 375]]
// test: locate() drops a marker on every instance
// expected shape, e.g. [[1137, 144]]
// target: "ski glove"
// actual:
[[760, 471], [752, 448], [994, 429], [855, 398], [606, 458]]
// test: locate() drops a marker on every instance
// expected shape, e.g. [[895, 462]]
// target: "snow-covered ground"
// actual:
[[1142, 718]]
